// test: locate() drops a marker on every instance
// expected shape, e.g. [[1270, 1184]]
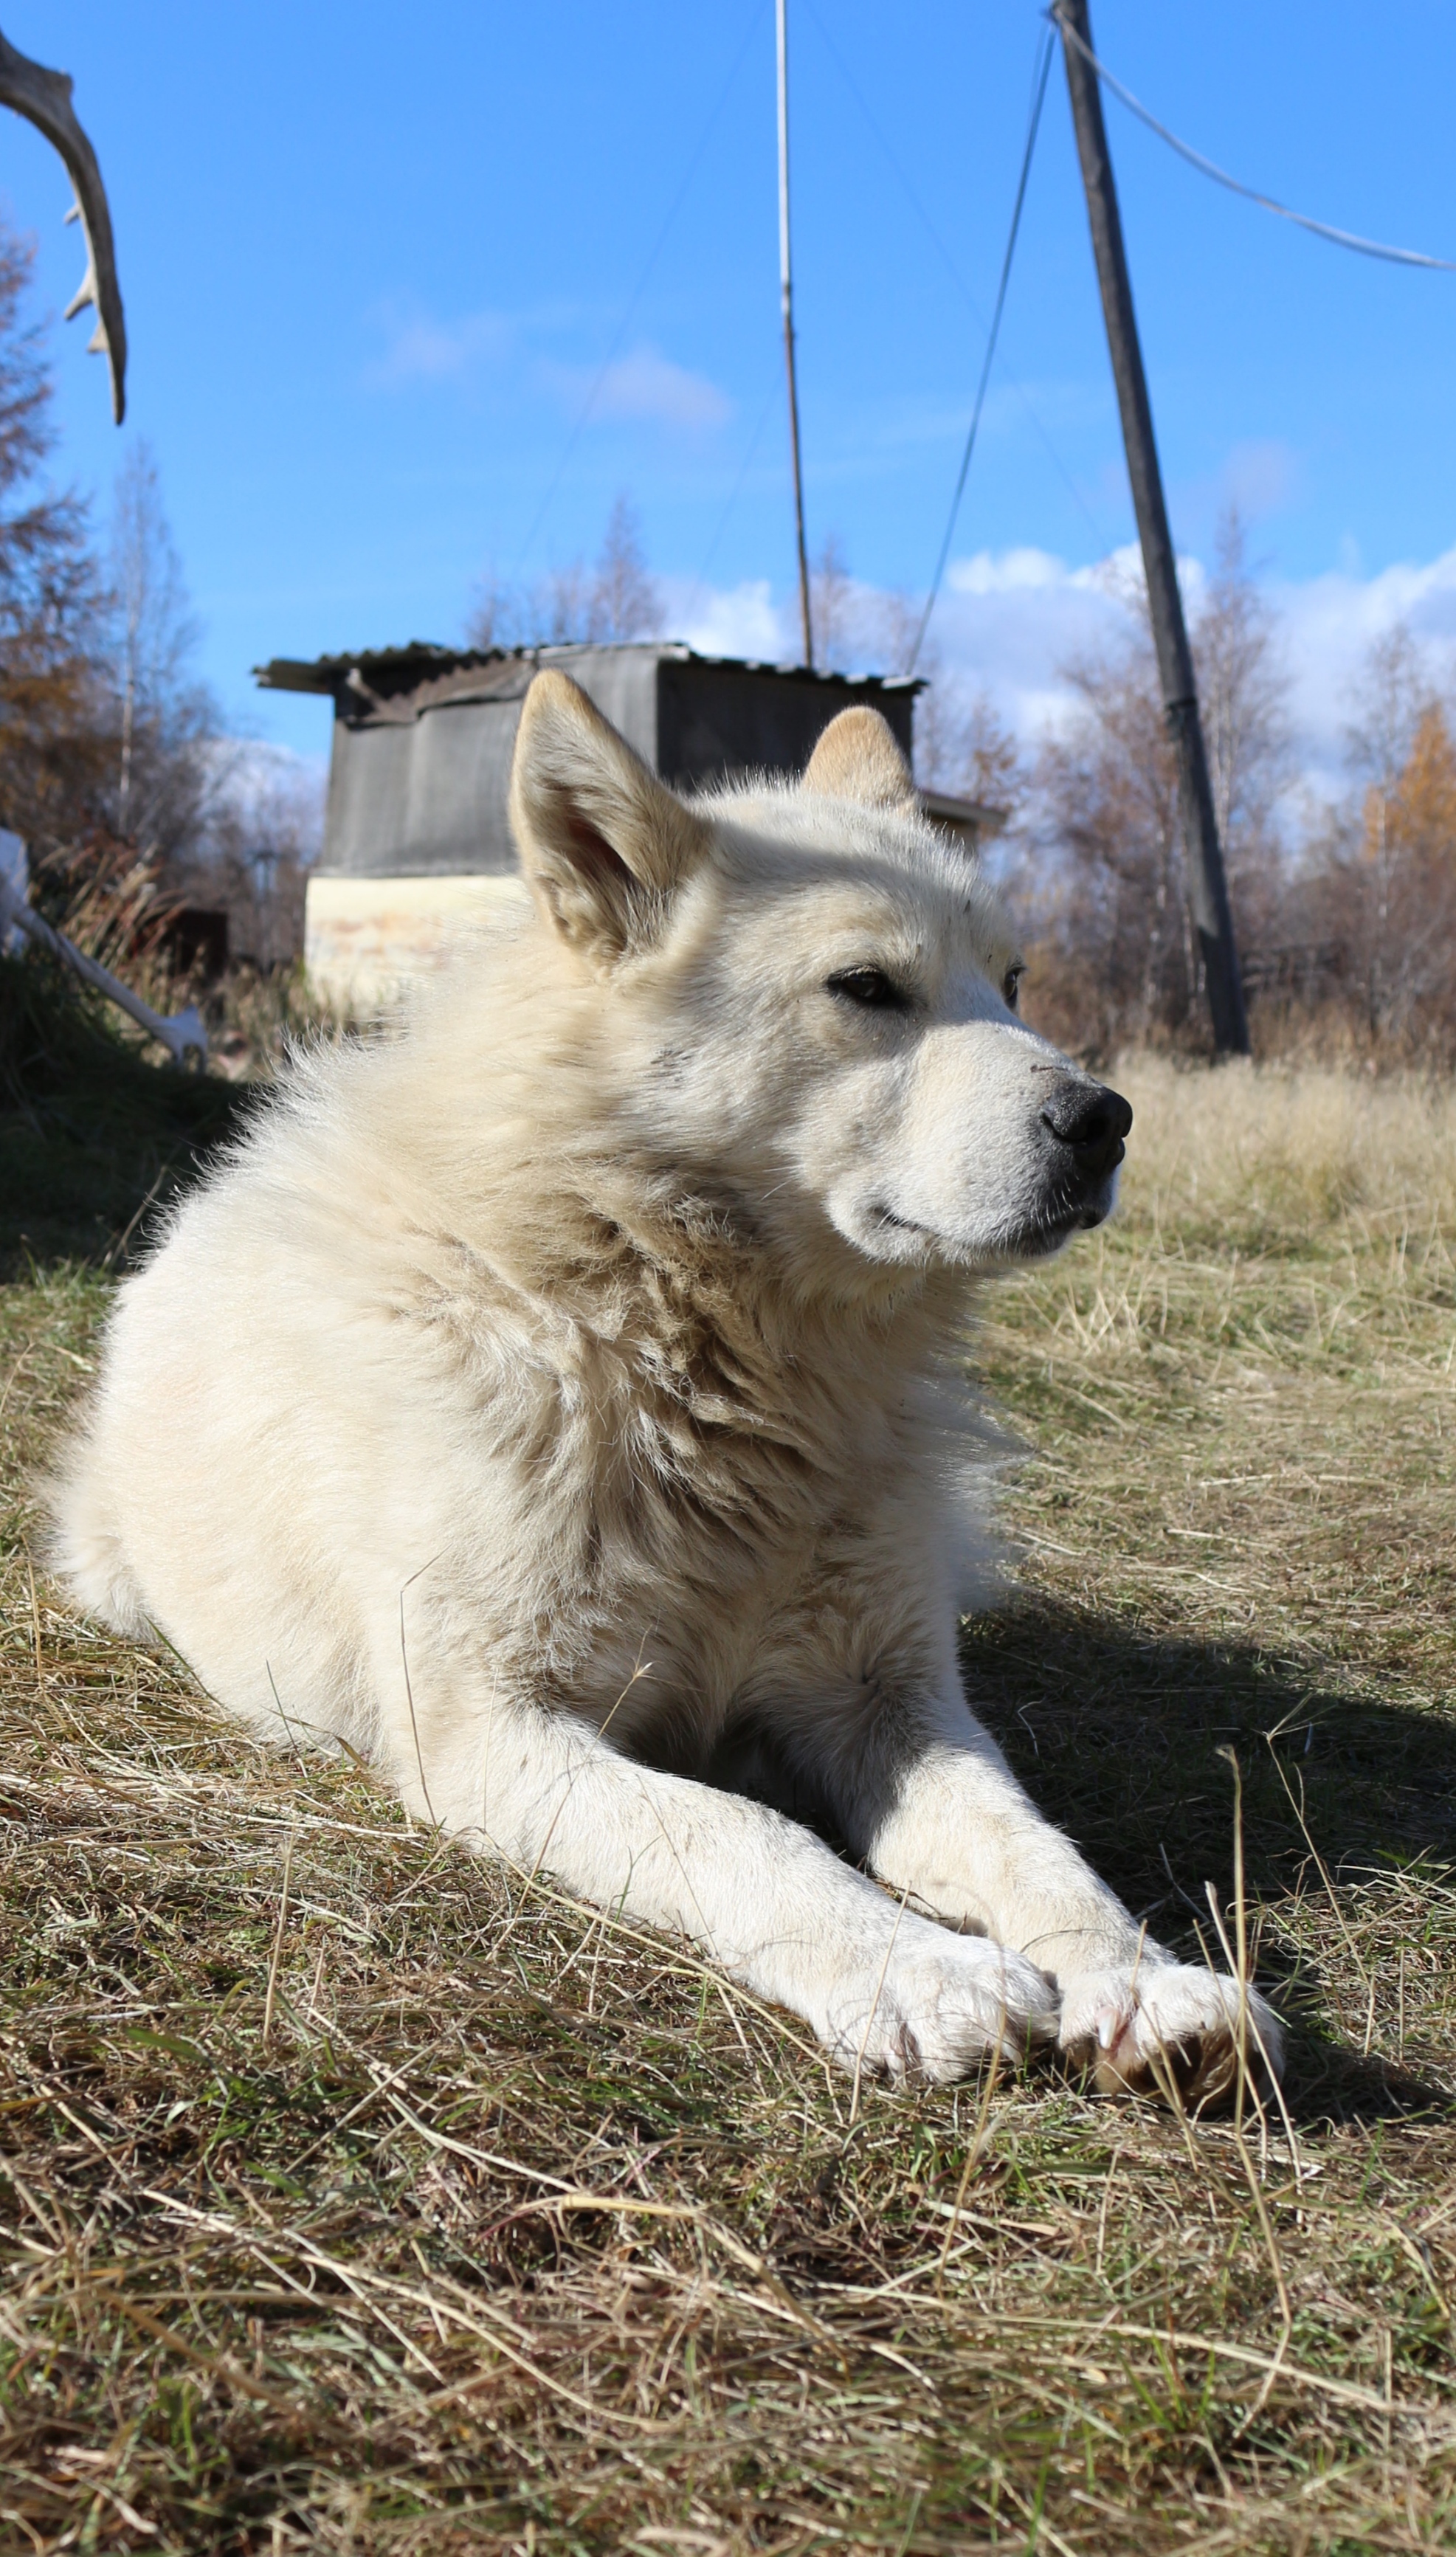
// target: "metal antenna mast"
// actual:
[[786, 293], [1208, 893]]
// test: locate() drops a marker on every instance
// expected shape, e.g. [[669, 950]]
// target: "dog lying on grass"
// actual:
[[562, 1403]]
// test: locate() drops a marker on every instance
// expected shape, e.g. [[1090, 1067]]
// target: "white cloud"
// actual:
[[643, 384], [1009, 624], [1329, 624], [737, 622], [1011, 621], [648, 384], [420, 348], [1005, 572]]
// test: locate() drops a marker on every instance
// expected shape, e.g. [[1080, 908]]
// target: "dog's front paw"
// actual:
[[938, 2004], [1145, 2025]]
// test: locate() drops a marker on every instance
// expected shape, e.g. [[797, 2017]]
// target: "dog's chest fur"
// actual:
[[696, 1465]]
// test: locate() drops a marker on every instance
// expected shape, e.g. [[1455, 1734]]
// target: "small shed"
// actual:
[[415, 838]]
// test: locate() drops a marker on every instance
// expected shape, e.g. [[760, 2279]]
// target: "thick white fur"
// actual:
[[562, 1403]]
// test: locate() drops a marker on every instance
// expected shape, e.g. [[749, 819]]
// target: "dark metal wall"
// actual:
[[419, 777], [715, 720]]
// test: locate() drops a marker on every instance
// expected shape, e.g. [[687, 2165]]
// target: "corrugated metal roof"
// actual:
[[387, 671], [971, 819]]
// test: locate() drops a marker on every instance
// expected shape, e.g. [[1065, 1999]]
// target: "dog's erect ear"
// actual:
[[858, 758], [603, 844]]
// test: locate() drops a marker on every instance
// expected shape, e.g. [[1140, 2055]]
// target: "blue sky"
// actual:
[[373, 263]]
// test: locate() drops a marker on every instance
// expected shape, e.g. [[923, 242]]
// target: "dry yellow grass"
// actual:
[[355, 2199], [1275, 1151]]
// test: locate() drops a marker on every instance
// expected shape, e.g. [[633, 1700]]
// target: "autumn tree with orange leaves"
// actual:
[[1346, 923], [1381, 891]]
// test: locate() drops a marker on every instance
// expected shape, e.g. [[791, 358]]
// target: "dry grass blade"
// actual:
[[270, 1999]]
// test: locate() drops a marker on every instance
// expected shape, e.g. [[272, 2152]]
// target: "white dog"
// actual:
[[563, 1402]]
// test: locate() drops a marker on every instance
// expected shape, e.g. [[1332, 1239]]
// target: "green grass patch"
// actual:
[[92, 1138]]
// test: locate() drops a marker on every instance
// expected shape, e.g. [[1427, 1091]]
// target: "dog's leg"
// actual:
[[934, 1808], [887, 1991]]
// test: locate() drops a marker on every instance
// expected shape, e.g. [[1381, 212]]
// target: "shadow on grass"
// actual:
[[94, 1141], [1116, 1734], [1115, 1731]]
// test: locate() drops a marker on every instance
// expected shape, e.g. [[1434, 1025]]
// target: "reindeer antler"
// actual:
[[44, 98]]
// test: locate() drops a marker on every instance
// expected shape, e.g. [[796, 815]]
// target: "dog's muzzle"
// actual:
[[1086, 1126]]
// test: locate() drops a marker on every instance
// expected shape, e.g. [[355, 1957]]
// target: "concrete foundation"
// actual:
[[367, 940]]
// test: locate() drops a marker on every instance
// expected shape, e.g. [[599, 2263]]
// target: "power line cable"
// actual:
[[630, 312], [1210, 169], [952, 268], [737, 490], [1038, 95]]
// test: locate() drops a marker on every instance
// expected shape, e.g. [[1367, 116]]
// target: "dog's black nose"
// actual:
[[1093, 1121]]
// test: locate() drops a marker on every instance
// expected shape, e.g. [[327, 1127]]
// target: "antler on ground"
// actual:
[[44, 98], [176, 1032]]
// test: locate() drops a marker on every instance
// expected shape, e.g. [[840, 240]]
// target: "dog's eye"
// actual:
[[1012, 985], [871, 987]]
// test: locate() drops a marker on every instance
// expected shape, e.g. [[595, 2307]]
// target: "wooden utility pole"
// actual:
[[786, 295], [1208, 893]]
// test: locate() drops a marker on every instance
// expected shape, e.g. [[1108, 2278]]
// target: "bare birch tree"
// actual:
[[615, 601], [1106, 841], [166, 768]]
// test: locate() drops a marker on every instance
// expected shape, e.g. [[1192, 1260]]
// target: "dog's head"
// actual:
[[808, 1000]]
